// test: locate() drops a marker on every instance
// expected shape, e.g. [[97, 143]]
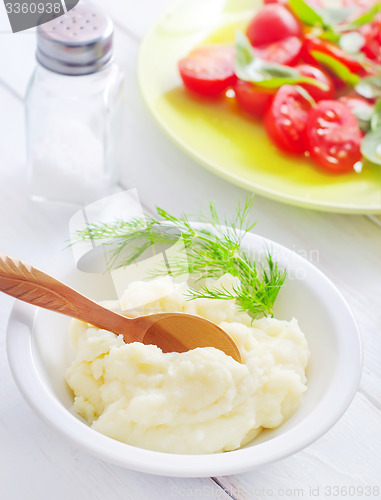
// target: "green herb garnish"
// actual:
[[369, 87], [331, 21], [307, 14], [210, 252], [371, 144], [250, 68], [366, 18], [331, 24], [375, 119], [364, 115], [327, 20], [338, 68]]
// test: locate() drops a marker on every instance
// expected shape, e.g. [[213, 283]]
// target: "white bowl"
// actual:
[[39, 353]]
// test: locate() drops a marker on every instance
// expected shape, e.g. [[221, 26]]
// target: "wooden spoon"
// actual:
[[172, 332]]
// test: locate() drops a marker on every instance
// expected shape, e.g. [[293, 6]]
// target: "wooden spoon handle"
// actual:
[[27, 283]]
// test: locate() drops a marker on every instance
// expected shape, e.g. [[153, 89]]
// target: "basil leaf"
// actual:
[[250, 68], [364, 115], [375, 120], [369, 87], [276, 83], [329, 35], [336, 67], [332, 17], [244, 50], [371, 146], [326, 18], [306, 13]]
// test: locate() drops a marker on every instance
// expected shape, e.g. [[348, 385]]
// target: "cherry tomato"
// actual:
[[286, 120], [253, 99], [271, 24], [315, 44], [208, 70], [321, 76], [334, 137], [286, 51]]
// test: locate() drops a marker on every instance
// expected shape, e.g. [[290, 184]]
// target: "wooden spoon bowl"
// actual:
[[172, 332]]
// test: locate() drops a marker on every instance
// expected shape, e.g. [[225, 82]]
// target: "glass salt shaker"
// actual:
[[74, 110]]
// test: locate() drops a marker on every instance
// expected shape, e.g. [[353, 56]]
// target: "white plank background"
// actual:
[[35, 462]]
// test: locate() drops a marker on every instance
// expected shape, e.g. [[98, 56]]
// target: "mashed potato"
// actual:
[[200, 401]]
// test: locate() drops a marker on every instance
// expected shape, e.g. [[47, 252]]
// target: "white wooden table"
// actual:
[[38, 464]]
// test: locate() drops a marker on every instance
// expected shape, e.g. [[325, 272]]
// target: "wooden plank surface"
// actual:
[[346, 248]]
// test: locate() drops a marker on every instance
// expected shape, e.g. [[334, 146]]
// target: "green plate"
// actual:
[[223, 138]]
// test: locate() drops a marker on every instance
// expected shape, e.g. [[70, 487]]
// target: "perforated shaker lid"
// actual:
[[77, 43]]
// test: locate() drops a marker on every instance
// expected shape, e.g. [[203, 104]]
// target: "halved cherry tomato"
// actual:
[[271, 24], [208, 70], [315, 44], [286, 120], [334, 137], [286, 51], [253, 99], [316, 73]]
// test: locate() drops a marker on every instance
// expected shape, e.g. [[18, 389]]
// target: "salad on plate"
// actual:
[[310, 73]]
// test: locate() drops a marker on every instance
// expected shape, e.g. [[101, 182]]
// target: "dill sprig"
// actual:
[[211, 251]]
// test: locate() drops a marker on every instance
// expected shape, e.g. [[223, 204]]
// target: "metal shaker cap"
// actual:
[[77, 43]]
